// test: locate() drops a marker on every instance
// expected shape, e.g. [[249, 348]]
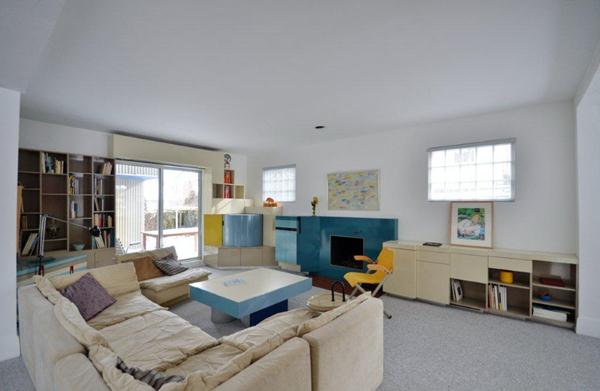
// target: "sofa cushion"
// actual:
[[170, 266], [126, 307], [88, 295], [207, 362], [274, 330], [116, 279], [156, 340], [326, 317], [165, 282], [69, 317], [145, 268]]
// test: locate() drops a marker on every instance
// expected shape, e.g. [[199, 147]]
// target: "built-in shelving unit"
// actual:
[[543, 286], [228, 189], [69, 187]]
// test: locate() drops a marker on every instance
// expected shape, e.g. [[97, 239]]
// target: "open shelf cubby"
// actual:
[[474, 295], [559, 294]]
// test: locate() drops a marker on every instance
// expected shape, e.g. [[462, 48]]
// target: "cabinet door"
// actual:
[[403, 281], [469, 267], [286, 246], [433, 282]]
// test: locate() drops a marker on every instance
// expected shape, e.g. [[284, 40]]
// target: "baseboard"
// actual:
[[588, 326], [9, 347]]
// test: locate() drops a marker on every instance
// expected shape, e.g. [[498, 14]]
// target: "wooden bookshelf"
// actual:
[[66, 186]]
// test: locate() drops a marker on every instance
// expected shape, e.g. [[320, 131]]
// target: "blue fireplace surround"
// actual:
[[306, 241]]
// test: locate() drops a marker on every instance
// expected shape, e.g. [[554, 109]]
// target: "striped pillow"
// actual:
[[170, 266]]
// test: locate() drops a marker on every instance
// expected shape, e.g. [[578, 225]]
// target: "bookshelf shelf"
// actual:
[[517, 312], [554, 303], [514, 285], [567, 287], [558, 323], [470, 303]]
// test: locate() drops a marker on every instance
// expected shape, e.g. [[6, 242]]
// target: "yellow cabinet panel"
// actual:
[[433, 282], [213, 230]]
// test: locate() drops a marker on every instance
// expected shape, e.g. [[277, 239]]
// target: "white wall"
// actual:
[[543, 217], [588, 167], [60, 138], [9, 129]]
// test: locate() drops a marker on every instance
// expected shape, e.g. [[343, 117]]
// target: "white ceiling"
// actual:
[[251, 75]]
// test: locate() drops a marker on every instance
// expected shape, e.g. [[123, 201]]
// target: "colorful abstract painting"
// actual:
[[355, 190]]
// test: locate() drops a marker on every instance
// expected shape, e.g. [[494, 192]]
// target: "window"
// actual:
[[480, 171], [279, 183]]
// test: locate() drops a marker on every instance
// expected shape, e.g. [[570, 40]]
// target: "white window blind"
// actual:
[[279, 183], [480, 171]]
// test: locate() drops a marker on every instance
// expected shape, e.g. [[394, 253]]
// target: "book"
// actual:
[[550, 313], [29, 244], [457, 290], [99, 242]]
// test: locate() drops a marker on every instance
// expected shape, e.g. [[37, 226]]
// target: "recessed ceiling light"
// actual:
[[319, 127]]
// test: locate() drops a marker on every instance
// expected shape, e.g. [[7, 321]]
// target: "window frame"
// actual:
[[513, 149], [276, 168]]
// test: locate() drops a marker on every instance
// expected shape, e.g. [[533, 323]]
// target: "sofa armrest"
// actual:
[[274, 371], [77, 373], [349, 345]]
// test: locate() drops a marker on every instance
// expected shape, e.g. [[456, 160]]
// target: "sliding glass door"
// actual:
[[158, 206]]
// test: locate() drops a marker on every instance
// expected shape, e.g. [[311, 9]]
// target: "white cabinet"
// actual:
[[403, 281]]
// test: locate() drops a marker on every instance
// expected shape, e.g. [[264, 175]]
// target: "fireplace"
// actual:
[[343, 250]]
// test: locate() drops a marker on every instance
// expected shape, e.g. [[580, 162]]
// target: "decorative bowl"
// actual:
[[78, 246]]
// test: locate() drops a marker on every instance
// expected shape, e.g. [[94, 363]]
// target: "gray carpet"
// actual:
[[430, 347]]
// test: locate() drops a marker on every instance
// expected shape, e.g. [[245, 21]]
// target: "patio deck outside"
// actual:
[[137, 203]]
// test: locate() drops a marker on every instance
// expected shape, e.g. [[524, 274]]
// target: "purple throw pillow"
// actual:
[[88, 296]]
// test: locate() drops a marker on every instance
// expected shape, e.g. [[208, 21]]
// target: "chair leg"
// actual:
[[387, 314]]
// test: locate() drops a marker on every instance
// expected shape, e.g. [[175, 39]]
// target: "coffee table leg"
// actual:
[[220, 317], [256, 317]]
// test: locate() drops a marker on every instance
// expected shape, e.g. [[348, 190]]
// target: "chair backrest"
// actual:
[[385, 259]]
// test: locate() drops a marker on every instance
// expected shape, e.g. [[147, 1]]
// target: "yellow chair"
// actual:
[[378, 272]]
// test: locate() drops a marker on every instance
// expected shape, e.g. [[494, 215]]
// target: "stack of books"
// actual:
[[51, 165], [73, 185], [498, 297], [550, 313], [30, 245]]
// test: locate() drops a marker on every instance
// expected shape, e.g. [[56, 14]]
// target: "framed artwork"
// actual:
[[471, 224], [353, 190]]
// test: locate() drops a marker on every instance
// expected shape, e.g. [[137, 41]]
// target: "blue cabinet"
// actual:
[[242, 230]]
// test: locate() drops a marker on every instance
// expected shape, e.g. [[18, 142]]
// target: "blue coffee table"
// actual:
[[250, 296]]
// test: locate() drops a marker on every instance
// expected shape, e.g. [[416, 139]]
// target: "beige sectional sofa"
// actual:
[[166, 290], [295, 350]]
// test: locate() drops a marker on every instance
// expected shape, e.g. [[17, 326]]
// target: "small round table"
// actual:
[[322, 302]]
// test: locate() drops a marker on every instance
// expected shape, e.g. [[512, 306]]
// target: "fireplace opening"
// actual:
[[343, 250]]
